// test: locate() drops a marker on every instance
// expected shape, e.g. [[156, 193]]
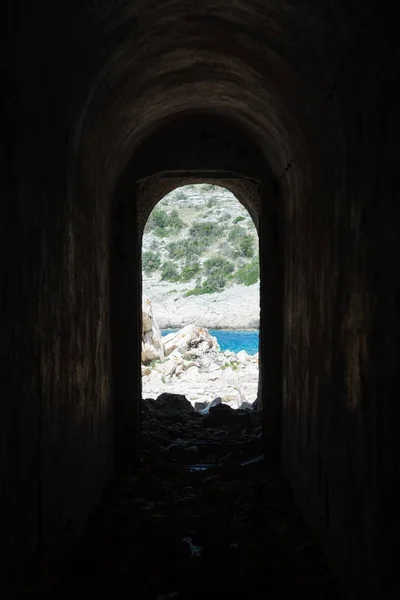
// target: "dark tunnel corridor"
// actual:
[[106, 108], [205, 514]]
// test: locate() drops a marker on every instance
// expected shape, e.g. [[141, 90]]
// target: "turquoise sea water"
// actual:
[[232, 339]]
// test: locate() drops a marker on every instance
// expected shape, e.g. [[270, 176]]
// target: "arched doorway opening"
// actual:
[[187, 142], [200, 288]]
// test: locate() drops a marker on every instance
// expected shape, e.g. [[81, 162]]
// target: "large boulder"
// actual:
[[152, 342], [190, 341], [175, 402]]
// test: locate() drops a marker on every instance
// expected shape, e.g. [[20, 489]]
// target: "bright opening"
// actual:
[[201, 299]]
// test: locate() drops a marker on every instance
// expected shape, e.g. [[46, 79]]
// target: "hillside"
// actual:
[[200, 260]]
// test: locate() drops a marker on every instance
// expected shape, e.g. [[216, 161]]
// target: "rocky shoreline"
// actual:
[[191, 363]]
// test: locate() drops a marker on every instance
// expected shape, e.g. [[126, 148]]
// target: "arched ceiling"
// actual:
[[121, 69], [268, 66]]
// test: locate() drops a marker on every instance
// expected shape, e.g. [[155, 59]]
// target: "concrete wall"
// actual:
[[56, 449], [340, 408]]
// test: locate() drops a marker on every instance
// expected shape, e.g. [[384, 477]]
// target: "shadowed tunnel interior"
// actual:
[[106, 108]]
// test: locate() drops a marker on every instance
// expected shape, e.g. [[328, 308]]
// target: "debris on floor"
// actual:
[[202, 516]]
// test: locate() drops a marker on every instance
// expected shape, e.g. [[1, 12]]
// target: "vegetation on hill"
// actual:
[[202, 236]]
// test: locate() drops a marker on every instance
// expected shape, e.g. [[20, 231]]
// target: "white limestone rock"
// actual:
[[196, 368], [152, 343], [174, 310], [242, 356]]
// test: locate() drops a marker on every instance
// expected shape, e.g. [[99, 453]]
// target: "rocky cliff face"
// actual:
[[236, 307], [200, 260]]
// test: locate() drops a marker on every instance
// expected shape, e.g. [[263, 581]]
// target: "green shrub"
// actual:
[[150, 262], [194, 292], [176, 250], [174, 220], [217, 271], [218, 265], [163, 224], [208, 287], [246, 246], [159, 218], [194, 248], [189, 271], [238, 219], [162, 232], [248, 274], [205, 232], [215, 282], [236, 233], [244, 241], [189, 248], [169, 272]]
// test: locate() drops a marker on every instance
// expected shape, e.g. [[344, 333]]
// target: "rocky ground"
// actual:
[[237, 305], [191, 363], [204, 516]]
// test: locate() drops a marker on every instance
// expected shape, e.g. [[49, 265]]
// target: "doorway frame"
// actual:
[[128, 218]]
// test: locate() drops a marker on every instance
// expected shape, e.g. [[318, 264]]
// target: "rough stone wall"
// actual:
[[340, 409], [55, 418], [85, 87]]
